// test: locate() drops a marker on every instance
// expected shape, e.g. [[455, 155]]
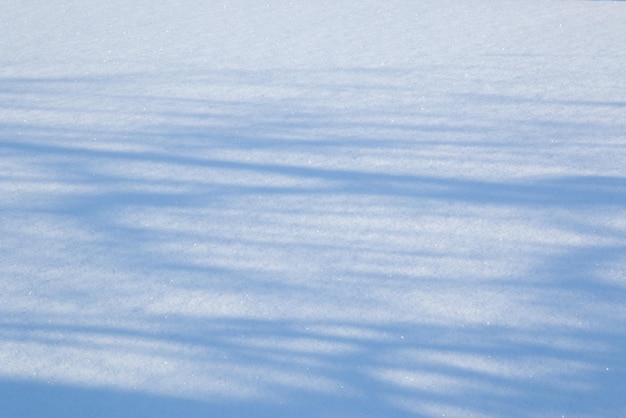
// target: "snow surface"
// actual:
[[289, 208]]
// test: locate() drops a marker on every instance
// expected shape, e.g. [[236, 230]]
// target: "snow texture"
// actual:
[[290, 208]]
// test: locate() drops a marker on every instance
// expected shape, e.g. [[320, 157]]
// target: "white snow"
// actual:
[[292, 208]]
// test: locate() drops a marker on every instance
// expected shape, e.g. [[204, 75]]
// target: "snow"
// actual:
[[294, 208]]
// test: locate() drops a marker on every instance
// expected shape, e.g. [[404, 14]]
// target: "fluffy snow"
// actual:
[[292, 208]]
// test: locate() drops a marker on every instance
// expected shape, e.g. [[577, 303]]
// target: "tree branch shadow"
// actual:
[[199, 215]]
